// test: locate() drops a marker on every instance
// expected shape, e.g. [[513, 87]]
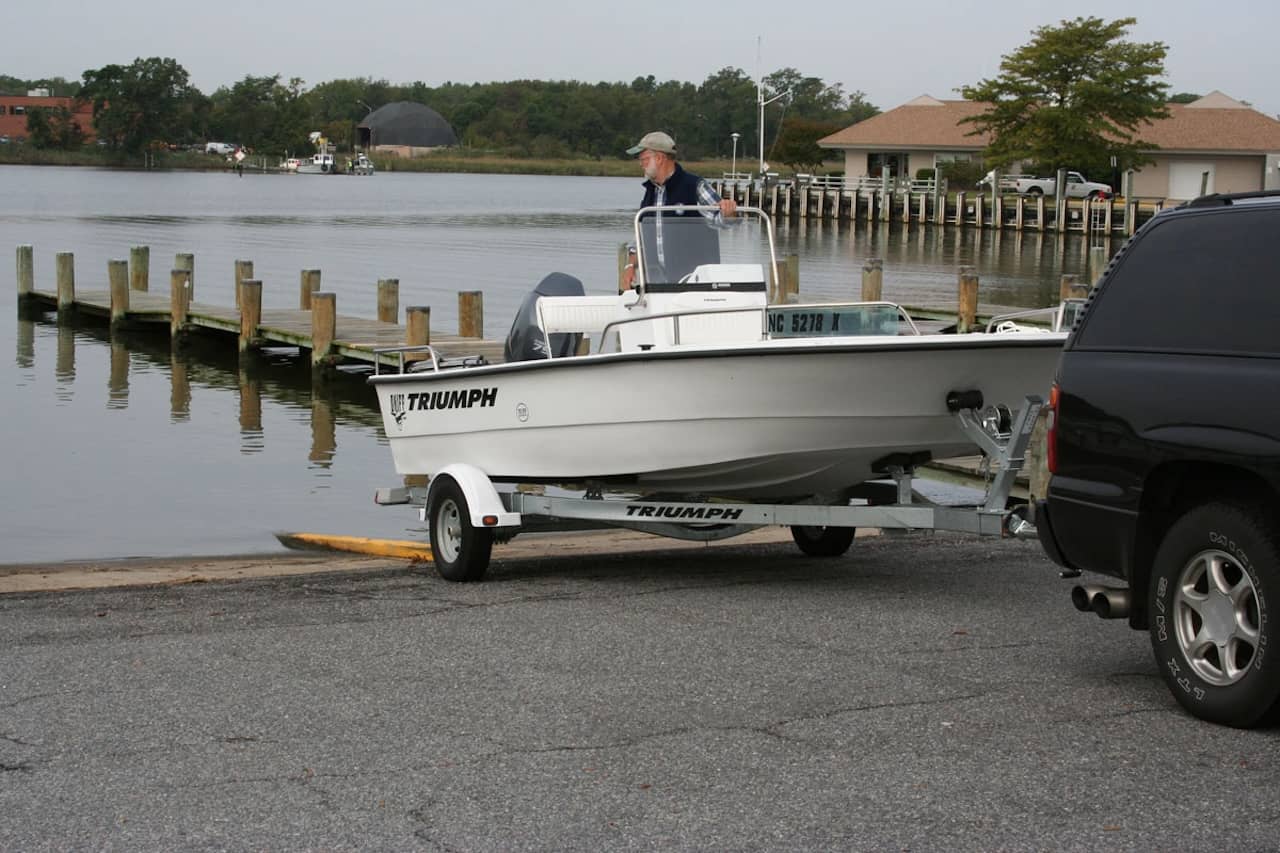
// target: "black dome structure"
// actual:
[[406, 125]]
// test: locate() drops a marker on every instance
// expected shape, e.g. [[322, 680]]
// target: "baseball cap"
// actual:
[[655, 141]]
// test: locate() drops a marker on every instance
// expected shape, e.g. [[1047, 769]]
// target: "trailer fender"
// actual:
[[483, 503]]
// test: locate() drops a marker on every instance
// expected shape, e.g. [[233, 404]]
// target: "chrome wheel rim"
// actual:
[[1216, 617], [448, 531]]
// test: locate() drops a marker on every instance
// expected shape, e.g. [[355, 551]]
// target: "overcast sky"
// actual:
[[892, 52]]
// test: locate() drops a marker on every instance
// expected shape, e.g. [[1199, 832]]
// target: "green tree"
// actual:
[[53, 128], [1073, 97], [138, 105], [1184, 98], [797, 144], [57, 86], [263, 114]]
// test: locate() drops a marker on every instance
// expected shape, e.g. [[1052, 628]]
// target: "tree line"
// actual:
[[151, 102], [1077, 95]]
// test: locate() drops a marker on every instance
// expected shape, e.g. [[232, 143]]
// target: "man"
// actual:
[[667, 183]]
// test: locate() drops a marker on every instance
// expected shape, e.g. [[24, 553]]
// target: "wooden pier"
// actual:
[[868, 200], [332, 339], [315, 325]]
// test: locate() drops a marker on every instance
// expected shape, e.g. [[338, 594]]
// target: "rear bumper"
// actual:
[[1048, 539]]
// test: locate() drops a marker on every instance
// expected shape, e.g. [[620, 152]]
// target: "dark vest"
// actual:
[[685, 245]]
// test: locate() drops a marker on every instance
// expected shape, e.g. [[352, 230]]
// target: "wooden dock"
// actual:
[[315, 325], [867, 200], [332, 339]]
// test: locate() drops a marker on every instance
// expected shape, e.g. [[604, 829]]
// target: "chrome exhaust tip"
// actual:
[[1109, 602], [1082, 597]]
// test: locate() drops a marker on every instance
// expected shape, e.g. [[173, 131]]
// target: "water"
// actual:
[[121, 449]]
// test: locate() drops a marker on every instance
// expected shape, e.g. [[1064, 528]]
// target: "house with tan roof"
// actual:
[[1216, 141]]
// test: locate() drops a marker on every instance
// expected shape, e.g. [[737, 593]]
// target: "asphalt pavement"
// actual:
[[925, 692]]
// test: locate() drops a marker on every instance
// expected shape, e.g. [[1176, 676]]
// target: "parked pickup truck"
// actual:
[[1077, 186]]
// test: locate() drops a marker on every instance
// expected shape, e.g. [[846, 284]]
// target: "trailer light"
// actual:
[[489, 521]]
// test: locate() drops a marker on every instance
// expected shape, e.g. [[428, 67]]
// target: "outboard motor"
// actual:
[[525, 341]]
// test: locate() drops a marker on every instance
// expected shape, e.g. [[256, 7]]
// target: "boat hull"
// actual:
[[776, 420]]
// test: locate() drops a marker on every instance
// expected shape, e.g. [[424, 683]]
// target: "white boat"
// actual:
[[361, 165], [321, 163], [692, 385]]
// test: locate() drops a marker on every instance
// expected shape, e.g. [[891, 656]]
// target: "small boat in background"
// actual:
[[321, 163], [361, 165]]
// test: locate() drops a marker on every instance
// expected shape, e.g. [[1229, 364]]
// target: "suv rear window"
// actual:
[[1194, 283]]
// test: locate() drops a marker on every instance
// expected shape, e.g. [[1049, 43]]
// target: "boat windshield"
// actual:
[[697, 248]]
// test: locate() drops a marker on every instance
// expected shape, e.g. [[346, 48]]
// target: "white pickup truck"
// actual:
[[1077, 186]]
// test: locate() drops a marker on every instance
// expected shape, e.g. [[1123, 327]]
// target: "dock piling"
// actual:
[[187, 261], [118, 280], [470, 314], [26, 271], [308, 286], [179, 304], [243, 272], [388, 300], [417, 322], [65, 270], [324, 327], [967, 317], [1097, 263], [250, 313], [140, 268], [872, 280]]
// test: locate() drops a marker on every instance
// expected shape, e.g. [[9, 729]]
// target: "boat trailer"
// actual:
[[466, 513]]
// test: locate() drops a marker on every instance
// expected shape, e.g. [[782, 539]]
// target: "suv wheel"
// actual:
[[1210, 583]]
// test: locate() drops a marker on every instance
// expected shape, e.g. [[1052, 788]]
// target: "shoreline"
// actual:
[[441, 163]]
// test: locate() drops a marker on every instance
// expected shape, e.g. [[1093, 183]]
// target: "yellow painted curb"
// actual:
[[398, 548]]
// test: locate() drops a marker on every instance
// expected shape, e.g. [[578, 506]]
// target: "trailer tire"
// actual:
[[460, 549], [823, 541], [1213, 575]]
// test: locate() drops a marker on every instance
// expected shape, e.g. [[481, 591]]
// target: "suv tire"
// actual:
[[1213, 576]]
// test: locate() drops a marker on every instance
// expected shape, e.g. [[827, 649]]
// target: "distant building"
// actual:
[[1216, 141], [14, 109], [406, 129]]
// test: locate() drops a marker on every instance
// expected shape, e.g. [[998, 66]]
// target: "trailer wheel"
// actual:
[[823, 541], [1210, 583], [460, 549]]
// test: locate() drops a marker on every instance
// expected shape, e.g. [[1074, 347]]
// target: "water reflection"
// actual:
[[280, 376], [65, 363], [324, 430], [26, 354], [251, 437], [1017, 269], [179, 390], [118, 378]]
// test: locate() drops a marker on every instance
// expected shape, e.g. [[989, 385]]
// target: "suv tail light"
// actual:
[[1051, 430]]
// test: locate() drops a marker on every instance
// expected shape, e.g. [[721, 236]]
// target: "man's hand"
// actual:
[[728, 208]]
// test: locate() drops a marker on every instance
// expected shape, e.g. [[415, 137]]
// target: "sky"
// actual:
[[890, 53]]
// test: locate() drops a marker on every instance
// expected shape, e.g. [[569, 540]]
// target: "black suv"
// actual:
[[1163, 446]]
